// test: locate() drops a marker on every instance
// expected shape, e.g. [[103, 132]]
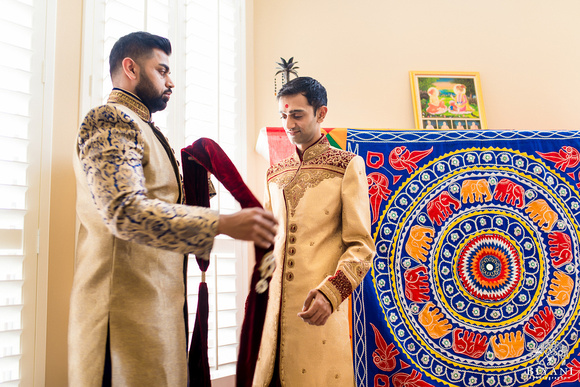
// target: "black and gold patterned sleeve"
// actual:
[[110, 150]]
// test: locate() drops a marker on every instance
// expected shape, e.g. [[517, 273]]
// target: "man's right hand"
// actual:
[[250, 224]]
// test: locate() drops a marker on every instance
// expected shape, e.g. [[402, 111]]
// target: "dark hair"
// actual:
[[314, 92], [136, 45]]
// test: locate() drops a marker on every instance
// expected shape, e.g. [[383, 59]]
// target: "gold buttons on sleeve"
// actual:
[[289, 276], [293, 227]]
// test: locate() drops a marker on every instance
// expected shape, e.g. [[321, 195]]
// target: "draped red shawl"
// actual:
[[203, 156]]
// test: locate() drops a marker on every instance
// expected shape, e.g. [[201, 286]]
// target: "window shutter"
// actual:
[[21, 90], [212, 109]]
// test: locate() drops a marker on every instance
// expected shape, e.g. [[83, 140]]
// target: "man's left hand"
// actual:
[[316, 309]]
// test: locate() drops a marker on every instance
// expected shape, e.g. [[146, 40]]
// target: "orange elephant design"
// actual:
[[560, 289], [475, 191], [541, 213], [419, 242], [510, 345], [434, 322]]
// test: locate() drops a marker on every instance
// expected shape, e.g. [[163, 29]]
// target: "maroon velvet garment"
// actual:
[[203, 156]]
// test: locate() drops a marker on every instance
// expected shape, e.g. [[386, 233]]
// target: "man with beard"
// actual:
[[127, 321]]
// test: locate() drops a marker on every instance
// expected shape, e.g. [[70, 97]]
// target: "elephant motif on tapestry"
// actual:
[[509, 192], [439, 208]]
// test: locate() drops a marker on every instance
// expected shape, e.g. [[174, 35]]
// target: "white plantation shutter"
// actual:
[[109, 20], [206, 38], [213, 109], [21, 98]]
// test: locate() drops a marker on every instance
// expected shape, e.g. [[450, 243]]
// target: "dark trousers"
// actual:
[[107, 372]]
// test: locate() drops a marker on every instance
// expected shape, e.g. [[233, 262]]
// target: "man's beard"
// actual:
[[146, 91]]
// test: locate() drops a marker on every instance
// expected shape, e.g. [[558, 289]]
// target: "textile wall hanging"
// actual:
[[476, 279]]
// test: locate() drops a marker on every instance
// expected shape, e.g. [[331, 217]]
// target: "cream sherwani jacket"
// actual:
[[323, 242], [132, 237]]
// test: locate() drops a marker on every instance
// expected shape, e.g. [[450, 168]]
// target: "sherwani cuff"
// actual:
[[335, 289]]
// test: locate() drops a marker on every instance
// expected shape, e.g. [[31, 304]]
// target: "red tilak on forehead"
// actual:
[[286, 106]]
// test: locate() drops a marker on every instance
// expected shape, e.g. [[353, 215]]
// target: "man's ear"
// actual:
[[130, 68], [321, 113]]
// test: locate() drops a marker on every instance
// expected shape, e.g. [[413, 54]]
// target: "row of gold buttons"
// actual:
[[291, 251]]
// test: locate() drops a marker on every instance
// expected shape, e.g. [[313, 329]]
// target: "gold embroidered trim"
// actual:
[[316, 149], [320, 162], [283, 167], [332, 157], [131, 101], [306, 179]]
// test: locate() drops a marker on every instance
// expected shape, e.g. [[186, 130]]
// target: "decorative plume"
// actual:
[[285, 68]]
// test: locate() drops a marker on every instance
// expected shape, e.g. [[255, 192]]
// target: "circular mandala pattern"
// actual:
[[477, 268], [489, 267]]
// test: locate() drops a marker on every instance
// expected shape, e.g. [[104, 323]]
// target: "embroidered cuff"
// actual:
[[336, 289]]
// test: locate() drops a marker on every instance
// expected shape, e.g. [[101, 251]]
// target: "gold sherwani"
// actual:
[[129, 269], [323, 242]]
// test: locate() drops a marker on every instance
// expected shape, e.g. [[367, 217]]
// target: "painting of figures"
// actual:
[[441, 98]]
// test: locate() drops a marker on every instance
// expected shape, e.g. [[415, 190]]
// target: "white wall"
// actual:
[[62, 191], [527, 53]]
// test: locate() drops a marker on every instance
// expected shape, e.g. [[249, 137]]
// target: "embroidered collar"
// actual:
[[130, 100], [314, 150]]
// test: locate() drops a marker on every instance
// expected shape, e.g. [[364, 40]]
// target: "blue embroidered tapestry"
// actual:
[[475, 282]]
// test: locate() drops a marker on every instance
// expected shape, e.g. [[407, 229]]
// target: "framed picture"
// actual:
[[447, 100]]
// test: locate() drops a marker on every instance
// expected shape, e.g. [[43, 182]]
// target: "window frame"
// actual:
[[33, 328]]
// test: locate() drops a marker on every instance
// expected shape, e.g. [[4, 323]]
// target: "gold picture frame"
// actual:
[[447, 100]]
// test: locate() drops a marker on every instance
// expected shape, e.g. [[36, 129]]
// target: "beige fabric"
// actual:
[[129, 266], [323, 242]]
